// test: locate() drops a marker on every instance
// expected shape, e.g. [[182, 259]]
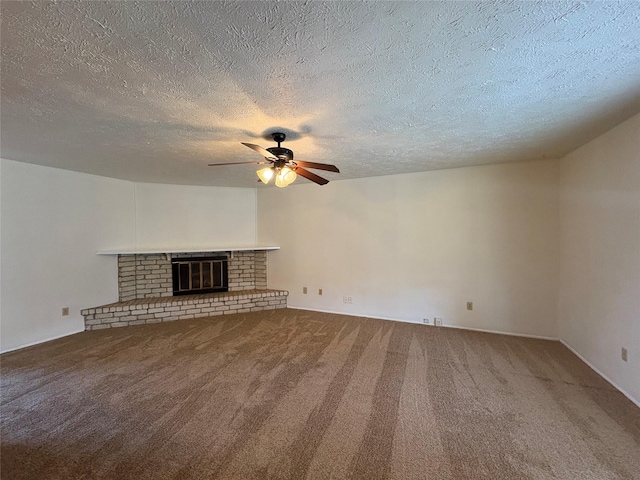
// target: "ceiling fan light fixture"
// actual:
[[280, 181], [265, 174], [288, 175], [285, 176]]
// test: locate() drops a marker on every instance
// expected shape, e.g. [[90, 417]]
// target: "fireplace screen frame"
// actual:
[[193, 272]]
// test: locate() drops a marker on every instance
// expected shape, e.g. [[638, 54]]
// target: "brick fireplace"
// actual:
[[150, 275], [145, 290]]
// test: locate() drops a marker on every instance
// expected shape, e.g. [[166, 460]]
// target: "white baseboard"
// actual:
[[352, 314], [539, 337], [600, 373], [41, 341], [498, 332]]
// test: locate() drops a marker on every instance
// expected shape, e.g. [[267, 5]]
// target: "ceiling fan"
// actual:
[[282, 166]]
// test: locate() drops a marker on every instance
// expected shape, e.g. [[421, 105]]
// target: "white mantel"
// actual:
[[167, 250]]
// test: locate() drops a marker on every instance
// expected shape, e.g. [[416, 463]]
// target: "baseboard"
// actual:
[[351, 314], [41, 341], [592, 367], [497, 332]]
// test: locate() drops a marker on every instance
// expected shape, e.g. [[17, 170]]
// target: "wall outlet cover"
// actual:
[[437, 322], [65, 311]]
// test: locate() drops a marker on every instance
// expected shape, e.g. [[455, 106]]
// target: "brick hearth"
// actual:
[[166, 309]]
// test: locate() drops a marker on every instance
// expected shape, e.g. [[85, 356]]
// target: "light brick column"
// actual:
[[261, 269], [126, 277]]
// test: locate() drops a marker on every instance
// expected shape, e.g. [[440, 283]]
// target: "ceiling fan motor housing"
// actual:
[[282, 153]]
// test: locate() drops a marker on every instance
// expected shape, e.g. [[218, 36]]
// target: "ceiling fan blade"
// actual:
[[240, 163], [318, 166], [311, 176], [265, 153]]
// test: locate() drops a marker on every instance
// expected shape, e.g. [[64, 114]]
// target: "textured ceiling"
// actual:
[[154, 91]]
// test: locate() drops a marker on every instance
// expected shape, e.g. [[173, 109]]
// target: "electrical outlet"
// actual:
[[437, 321], [426, 321], [319, 291], [624, 354], [65, 311], [345, 299], [349, 299], [304, 290], [469, 305]]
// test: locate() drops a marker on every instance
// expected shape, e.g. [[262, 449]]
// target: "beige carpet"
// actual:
[[292, 394]]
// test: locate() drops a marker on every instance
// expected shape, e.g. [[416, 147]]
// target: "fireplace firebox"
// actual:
[[199, 275]]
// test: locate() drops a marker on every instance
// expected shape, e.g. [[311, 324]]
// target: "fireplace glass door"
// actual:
[[199, 275]]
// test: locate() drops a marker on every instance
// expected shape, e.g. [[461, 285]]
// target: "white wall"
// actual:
[[421, 245], [599, 302], [404, 247], [53, 221], [190, 216]]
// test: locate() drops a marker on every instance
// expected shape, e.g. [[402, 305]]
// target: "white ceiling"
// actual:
[[154, 91]]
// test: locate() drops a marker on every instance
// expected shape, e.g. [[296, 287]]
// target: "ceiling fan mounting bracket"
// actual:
[[278, 137]]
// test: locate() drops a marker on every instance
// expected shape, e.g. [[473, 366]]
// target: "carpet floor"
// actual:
[[291, 394]]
